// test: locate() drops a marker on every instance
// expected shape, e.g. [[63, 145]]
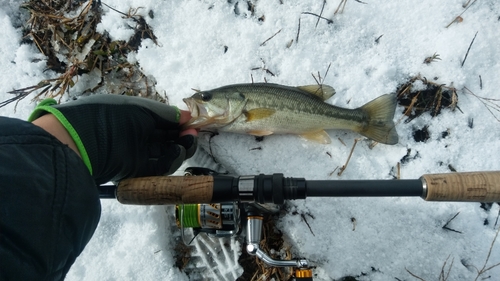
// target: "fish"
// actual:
[[263, 109]]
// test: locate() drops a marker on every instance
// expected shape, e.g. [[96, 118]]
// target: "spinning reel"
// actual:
[[229, 219]]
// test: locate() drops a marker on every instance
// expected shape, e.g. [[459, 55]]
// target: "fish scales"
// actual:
[[311, 112]]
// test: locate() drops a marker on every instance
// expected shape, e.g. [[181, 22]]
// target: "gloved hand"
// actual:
[[121, 136]]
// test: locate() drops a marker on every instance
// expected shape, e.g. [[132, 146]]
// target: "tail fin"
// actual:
[[380, 127]]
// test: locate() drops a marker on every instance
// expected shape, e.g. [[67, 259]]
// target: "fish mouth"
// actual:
[[193, 107], [199, 115]]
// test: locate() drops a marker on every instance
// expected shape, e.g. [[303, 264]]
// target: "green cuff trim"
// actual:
[[38, 112], [177, 114], [46, 106]]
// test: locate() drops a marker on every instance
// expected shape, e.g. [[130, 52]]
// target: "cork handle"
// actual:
[[165, 190], [470, 186]]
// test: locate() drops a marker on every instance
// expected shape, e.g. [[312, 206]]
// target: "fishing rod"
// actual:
[[222, 205], [275, 188]]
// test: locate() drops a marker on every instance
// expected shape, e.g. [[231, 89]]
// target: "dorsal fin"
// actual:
[[321, 91]]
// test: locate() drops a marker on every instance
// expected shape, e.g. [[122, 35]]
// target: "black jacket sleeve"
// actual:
[[49, 204]]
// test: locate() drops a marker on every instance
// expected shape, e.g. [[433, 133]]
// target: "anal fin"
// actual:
[[260, 133], [317, 136]]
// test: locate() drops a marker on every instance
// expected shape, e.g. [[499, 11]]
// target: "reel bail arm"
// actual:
[[254, 237]]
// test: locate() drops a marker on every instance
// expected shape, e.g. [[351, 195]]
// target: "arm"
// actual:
[[49, 123], [50, 206]]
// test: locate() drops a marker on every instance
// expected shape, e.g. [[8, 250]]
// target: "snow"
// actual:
[[372, 238]]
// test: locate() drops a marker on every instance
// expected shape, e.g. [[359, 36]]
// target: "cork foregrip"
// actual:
[[470, 186], [165, 190]]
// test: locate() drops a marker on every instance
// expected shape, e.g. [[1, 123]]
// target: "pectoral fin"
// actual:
[[321, 91], [317, 136], [258, 113]]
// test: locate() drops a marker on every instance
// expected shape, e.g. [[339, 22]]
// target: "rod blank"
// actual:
[[364, 188]]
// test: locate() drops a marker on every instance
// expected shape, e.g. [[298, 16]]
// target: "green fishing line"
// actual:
[[190, 216]]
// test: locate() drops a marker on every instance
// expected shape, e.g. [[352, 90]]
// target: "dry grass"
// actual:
[[433, 98], [492, 105], [65, 32], [486, 267], [481, 272]]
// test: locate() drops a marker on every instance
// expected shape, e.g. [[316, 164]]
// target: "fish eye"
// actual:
[[206, 96]]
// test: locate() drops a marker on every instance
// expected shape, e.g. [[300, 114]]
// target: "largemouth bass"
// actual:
[[262, 109]]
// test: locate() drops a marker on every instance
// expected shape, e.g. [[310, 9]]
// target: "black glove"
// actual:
[[121, 137]]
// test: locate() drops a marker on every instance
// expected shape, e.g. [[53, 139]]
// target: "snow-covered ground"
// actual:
[[372, 47]]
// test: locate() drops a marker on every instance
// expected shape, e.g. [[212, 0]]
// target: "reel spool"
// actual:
[[218, 219]]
